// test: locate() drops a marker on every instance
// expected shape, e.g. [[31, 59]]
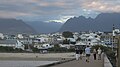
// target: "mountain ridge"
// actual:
[[45, 27], [14, 26], [103, 22]]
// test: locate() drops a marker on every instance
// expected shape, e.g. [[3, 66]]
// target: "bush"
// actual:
[[35, 50], [9, 49], [60, 49], [103, 48], [71, 50]]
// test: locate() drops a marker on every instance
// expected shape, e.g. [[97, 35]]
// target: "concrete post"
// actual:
[[118, 52]]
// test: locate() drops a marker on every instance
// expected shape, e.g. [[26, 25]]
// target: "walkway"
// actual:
[[82, 63]]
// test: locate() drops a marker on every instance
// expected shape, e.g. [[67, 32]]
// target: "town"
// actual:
[[42, 42]]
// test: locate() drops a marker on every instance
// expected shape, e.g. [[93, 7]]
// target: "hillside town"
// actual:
[[45, 41]]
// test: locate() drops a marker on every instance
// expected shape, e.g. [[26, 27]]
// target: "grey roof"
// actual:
[[8, 41]]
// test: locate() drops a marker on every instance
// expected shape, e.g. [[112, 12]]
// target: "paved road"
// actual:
[[82, 63]]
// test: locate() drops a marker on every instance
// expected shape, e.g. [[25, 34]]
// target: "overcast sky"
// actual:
[[55, 10]]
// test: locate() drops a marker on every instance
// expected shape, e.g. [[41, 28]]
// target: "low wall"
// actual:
[[107, 62]]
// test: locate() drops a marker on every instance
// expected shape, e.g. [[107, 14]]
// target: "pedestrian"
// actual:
[[87, 52], [94, 53], [81, 52], [77, 53], [99, 51]]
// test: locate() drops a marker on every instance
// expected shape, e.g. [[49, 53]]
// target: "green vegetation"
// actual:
[[66, 41], [9, 49], [35, 50], [103, 48], [67, 34], [59, 49]]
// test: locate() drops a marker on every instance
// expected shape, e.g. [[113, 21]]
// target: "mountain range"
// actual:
[[103, 22], [13, 26], [45, 27]]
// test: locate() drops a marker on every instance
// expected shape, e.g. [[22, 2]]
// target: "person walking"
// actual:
[[77, 53], [81, 52], [87, 52], [99, 53], [94, 53]]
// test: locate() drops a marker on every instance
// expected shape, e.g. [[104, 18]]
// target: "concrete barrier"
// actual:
[[107, 62]]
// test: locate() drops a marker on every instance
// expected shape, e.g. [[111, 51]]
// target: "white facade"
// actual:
[[43, 46], [1, 36], [90, 39], [66, 45], [20, 36], [71, 39], [41, 40], [19, 45], [12, 43], [46, 46]]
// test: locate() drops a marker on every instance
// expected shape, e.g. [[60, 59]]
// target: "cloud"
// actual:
[[62, 19], [57, 10], [102, 5], [6, 14]]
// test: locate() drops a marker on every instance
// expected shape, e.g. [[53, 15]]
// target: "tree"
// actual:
[[78, 39], [67, 34], [66, 41]]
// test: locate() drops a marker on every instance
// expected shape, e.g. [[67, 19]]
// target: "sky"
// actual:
[[55, 10]]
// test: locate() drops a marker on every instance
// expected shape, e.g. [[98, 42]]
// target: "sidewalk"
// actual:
[[82, 63]]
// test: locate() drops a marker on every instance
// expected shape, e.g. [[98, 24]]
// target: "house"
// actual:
[[1, 36], [90, 39], [80, 45], [108, 40], [26, 41], [10, 37], [40, 40], [43, 46], [12, 43], [20, 36], [68, 46], [47, 46]]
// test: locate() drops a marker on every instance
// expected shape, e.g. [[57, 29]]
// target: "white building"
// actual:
[[47, 46], [20, 36], [12, 43], [68, 46], [43, 46], [90, 39], [19, 45], [1, 36]]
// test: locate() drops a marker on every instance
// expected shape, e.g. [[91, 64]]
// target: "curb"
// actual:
[[52, 64]]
